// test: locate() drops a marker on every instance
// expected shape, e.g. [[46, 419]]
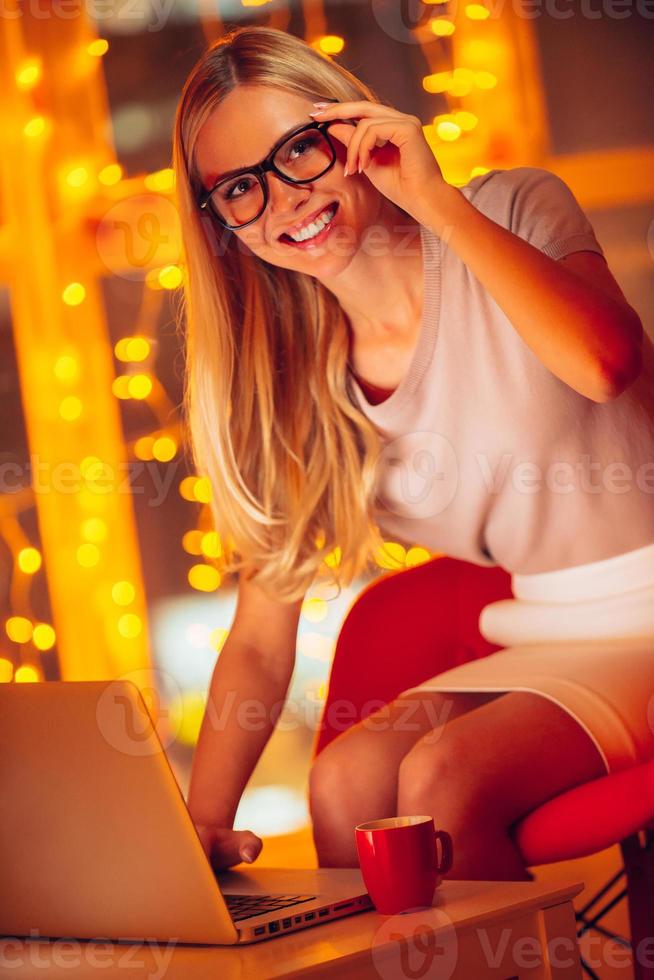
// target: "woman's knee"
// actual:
[[437, 773], [337, 777]]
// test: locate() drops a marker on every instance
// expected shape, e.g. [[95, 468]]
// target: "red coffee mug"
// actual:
[[399, 862]]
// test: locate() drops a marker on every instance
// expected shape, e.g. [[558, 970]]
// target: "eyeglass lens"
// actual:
[[303, 157]]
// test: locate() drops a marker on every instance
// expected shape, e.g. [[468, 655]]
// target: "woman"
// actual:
[[371, 346]]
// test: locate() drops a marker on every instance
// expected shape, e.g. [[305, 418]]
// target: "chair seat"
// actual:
[[588, 818]]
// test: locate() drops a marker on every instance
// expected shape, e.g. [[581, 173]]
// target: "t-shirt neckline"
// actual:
[[424, 349]]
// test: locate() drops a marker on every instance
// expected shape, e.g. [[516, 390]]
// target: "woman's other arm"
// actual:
[[247, 691]]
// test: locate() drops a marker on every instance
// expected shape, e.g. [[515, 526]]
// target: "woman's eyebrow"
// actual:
[[213, 179]]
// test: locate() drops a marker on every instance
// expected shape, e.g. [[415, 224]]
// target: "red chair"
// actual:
[[389, 642]]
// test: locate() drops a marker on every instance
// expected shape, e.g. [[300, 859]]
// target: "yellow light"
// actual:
[[152, 279], [91, 467], [217, 638], [438, 82], [94, 529], [462, 82], [478, 170], [466, 120], [139, 386], [333, 559], [120, 386], [210, 545], [88, 555], [192, 542], [28, 74], [392, 555], [129, 625], [331, 44], [441, 26], [485, 79], [476, 11], [204, 578], [164, 449], [314, 609], [66, 368], [29, 560], [186, 488], [6, 670], [202, 489], [73, 294], [19, 629], [123, 593], [132, 349], [186, 716], [26, 674], [34, 127], [448, 131], [143, 447], [110, 174], [43, 636], [77, 177], [417, 556], [160, 180], [98, 47], [170, 276], [70, 408]]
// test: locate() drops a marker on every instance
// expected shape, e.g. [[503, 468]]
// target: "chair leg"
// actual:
[[639, 868]]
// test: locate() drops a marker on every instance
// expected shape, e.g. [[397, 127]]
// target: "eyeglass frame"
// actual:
[[267, 165]]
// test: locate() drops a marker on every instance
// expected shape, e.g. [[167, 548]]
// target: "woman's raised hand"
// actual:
[[391, 149]]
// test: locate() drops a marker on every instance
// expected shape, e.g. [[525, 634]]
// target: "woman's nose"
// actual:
[[284, 195]]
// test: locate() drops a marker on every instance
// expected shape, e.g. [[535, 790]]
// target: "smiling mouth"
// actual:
[[332, 207]]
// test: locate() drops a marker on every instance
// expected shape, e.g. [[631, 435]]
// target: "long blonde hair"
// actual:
[[272, 420]]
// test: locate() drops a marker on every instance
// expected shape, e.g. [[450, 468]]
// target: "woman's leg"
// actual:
[[355, 778], [488, 769]]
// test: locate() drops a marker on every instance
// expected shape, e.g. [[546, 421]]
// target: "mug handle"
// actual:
[[446, 848]]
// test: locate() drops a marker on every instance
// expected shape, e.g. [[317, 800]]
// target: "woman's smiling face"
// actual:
[[241, 132]]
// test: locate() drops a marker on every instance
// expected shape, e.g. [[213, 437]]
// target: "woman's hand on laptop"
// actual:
[[225, 847]]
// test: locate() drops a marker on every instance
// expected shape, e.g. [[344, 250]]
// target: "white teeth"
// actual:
[[316, 226]]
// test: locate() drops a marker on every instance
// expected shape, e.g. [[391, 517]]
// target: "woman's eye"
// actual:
[[245, 182], [306, 141]]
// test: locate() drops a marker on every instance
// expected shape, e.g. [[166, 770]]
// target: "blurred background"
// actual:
[[108, 563]]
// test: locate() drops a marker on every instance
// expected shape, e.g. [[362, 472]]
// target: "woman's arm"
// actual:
[[576, 325], [247, 691]]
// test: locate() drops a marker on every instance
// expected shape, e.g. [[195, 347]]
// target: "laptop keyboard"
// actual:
[[245, 906]]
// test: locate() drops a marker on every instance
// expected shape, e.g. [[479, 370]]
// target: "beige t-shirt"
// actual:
[[488, 455]]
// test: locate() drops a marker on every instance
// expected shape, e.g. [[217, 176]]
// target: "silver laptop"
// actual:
[[96, 841]]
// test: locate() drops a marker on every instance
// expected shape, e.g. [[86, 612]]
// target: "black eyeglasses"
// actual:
[[300, 158]]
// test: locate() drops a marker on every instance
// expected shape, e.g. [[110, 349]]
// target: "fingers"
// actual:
[[233, 846], [249, 846]]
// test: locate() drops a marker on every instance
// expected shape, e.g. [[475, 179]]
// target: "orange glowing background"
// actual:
[[110, 566]]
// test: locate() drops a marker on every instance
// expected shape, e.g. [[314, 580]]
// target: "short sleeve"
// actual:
[[541, 208]]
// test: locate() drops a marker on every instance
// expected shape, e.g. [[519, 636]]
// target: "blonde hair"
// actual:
[[272, 420]]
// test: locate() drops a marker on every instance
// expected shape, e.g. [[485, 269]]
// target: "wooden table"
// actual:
[[476, 930]]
